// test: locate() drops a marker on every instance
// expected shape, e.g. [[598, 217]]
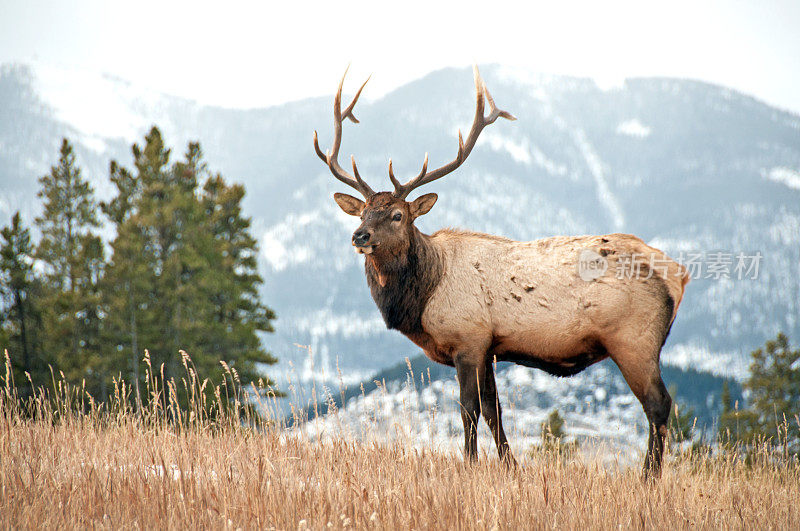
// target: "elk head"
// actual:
[[387, 219]]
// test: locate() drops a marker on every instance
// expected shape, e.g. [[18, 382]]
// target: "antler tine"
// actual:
[[392, 178], [424, 167], [421, 174], [358, 176], [320, 154], [331, 157], [348, 112], [464, 147], [480, 88], [494, 112]]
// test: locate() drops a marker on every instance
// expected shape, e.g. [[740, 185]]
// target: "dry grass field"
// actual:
[[118, 467]]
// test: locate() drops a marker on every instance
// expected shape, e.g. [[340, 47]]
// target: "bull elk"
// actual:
[[469, 299]]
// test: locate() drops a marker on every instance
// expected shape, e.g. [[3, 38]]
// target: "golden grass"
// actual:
[[118, 468]]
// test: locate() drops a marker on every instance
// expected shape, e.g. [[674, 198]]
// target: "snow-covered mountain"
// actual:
[[689, 167], [685, 165]]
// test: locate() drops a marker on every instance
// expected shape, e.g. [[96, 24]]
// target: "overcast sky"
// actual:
[[241, 54]]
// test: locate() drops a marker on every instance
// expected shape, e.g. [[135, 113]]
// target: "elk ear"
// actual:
[[422, 205], [351, 205]]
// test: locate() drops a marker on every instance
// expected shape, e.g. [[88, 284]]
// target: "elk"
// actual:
[[470, 299]]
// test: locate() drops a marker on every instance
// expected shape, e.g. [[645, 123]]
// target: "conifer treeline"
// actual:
[[179, 274]]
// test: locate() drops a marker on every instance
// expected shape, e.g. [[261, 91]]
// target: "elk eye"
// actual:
[[397, 217]]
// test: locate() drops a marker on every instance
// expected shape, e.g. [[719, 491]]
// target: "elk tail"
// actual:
[[684, 276]]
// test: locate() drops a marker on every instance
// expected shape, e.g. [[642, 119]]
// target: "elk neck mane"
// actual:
[[409, 281]]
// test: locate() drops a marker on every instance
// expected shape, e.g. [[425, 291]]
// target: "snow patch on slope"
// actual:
[[633, 128], [519, 151], [538, 81], [785, 228], [596, 168], [549, 165], [702, 358], [351, 324], [783, 175], [609, 82], [534, 82], [523, 152], [279, 245], [98, 106], [673, 245]]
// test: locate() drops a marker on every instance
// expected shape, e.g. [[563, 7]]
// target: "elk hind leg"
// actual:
[[493, 414], [657, 405], [644, 379]]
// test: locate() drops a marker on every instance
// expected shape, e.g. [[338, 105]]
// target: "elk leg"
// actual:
[[469, 374], [645, 381], [493, 413], [657, 404]]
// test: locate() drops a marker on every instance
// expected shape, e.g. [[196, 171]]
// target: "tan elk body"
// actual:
[[470, 299], [513, 298]]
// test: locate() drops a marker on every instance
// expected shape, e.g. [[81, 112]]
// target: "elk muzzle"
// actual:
[[361, 241]]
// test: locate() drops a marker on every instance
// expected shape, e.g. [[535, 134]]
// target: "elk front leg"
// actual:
[[493, 413], [469, 373]]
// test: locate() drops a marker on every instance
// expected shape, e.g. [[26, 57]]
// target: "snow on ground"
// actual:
[[607, 420]]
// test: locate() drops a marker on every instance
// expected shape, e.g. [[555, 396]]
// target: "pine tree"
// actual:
[[125, 281], [774, 385], [72, 256], [735, 423], [681, 421], [19, 317], [132, 299], [553, 426], [725, 398], [773, 410], [554, 435], [233, 290], [183, 274]]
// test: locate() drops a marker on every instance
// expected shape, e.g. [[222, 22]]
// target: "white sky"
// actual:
[[241, 54]]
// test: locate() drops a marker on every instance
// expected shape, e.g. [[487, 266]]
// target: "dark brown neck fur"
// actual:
[[410, 279]]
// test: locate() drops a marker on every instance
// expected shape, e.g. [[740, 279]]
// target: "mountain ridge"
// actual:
[[683, 164]]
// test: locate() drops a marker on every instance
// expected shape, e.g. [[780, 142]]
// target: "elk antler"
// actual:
[[330, 157], [464, 148]]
